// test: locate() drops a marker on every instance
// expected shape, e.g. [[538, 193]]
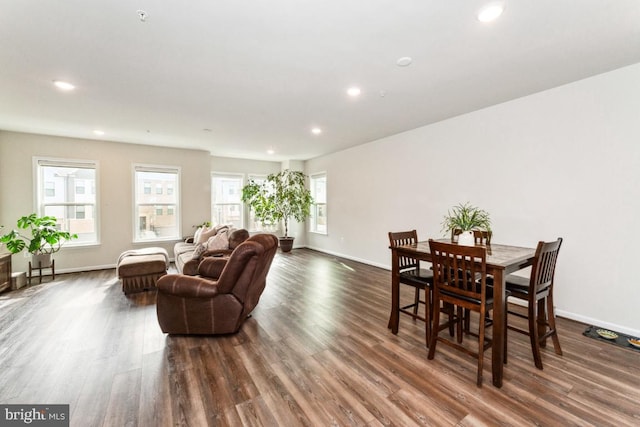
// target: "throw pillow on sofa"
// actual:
[[206, 234], [198, 251], [219, 241], [196, 235]]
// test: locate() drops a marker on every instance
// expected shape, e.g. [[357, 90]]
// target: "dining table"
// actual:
[[501, 260]]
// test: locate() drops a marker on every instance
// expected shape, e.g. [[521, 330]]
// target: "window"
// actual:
[[226, 203], [150, 220], [319, 208], [57, 185]]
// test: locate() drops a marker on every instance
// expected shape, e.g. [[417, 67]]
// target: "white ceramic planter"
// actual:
[[466, 238]]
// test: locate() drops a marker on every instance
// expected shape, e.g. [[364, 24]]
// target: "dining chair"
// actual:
[[537, 291], [459, 279], [480, 237], [412, 275]]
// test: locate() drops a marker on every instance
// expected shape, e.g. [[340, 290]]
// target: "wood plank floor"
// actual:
[[316, 352]]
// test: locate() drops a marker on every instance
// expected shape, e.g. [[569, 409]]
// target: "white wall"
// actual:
[[564, 162], [242, 166], [115, 190]]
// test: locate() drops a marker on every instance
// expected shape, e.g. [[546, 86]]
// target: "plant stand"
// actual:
[[40, 268]]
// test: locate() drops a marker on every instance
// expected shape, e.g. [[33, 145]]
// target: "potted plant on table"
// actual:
[[280, 197], [45, 239], [465, 219]]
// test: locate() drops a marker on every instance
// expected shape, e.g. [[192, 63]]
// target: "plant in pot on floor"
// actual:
[[280, 197], [43, 239], [463, 219]]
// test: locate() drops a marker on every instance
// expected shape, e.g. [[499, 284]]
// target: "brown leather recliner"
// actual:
[[226, 291]]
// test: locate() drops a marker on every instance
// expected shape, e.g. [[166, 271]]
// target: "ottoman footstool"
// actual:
[[140, 269]]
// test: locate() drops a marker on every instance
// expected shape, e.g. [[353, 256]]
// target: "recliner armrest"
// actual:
[[187, 286], [212, 266], [216, 253]]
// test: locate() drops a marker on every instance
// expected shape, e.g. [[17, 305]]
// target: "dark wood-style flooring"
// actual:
[[316, 352]]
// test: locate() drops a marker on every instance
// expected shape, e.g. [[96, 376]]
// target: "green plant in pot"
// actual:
[[43, 238], [280, 197], [463, 220]]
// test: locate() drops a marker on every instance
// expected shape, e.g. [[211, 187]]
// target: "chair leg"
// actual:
[[428, 307], [434, 329], [480, 349], [506, 329], [533, 334], [551, 315], [542, 322], [450, 312], [460, 324], [467, 321], [416, 302]]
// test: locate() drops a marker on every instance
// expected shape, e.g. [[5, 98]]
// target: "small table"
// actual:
[[501, 260], [52, 266]]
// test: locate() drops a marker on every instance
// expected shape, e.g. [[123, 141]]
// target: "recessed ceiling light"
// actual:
[[316, 131], [490, 12], [271, 151], [98, 132], [63, 85], [404, 61], [142, 15], [354, 91]]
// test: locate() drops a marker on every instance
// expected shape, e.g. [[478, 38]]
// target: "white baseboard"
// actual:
[[338, 254], [597, 322]]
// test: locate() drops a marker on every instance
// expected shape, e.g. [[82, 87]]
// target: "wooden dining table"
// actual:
[[501, 260]]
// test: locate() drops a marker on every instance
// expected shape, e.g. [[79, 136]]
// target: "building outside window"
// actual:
[[80, 212], [156, 215], [318, 219], [226, 195], [49, 189], [57, 194]]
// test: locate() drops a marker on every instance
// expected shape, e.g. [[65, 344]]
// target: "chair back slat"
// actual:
[[401, 238], [460, 270], [544, 266]]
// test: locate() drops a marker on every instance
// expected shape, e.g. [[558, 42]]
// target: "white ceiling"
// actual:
[[260, 74]]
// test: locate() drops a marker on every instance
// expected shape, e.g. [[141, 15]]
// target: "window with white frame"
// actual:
[[318, 219], [60, 192], [156, 215], [226, 199]]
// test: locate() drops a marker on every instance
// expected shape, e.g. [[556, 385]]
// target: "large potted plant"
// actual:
[[466, 218], [280, 197], [43, 238]]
